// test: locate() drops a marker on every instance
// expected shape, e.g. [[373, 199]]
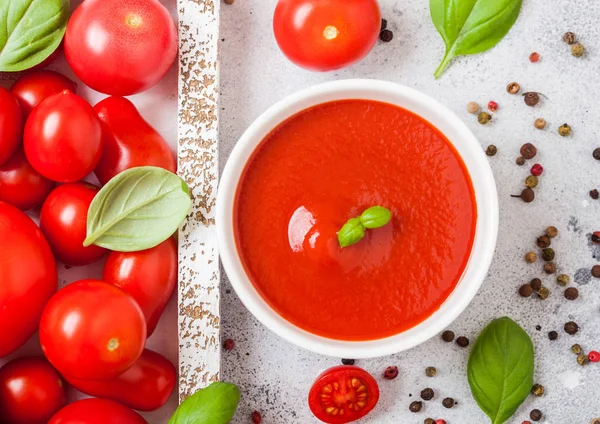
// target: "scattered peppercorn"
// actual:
[[550, 268], [596, 421], [571, 293], [536, 415], [537, 390], [531, 181], [570, 38], [520, 161], [527, 195], [562, 280], [536, 284], [230, 2], [596, 237], [526, 422], [571, 328], [531, 99], [564, 130], [551, 231], [462, 341], [429, 421], [534, 57], [513, 88], [543, 241], [448, 336], [256, 417], [582, 359], [528, 151], [538, 327], [448, 402], [348, 361], [537, 170], [390, 373], [594, 194], [228, 344], [543, 293], [473, 107], [525, 290], [596, 153], [427, 394], [384, 24], [594, 356], [416, 406], [530, 257], [548, 254], [484, 118], [553, 335], [540, 123], [430, 371], [576, 349], [596, 271], [491, 150], [577, 50], [492, 106], [386, 36], [440, 422]]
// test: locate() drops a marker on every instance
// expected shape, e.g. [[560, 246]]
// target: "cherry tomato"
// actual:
[[11, 125], [149, 276], [21, 185], [139, 44], [96, 411], [323, 35], [91, 330], [33, 87], [146, 386], [28, 277], [63, 138], [129, 141], [343, 394], [63, 221], [31, 391]]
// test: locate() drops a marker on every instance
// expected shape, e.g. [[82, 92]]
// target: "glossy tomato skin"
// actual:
[[140, 44], [63, 221], [324, 35], [149, 276], [146, 386], [33, 87], [354, 385], [91, 330], [21, 185], [63, 138], [28, 277], [129, 141], [11, 125], [96, 411], [31, 391]]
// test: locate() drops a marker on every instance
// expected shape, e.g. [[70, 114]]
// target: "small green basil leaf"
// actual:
[[500, 369], [30, 31], [138, 209], [215, 404], [472, 26], [351, 233], [375, 217]]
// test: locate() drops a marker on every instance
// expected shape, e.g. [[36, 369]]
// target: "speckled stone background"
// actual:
[[275, 376]]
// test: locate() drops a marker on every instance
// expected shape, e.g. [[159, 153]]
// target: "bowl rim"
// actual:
[[486, 227]]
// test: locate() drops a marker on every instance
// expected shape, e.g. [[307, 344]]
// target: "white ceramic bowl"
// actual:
[[485, 192]]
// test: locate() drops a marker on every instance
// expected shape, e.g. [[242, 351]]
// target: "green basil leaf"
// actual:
[[215, 404], [472, 26], [375, 217], [30, 31], [500, 369], [138, 209], [351, 233]]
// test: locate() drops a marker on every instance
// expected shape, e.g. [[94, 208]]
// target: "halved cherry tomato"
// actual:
[[96, 411], [92, 330], [63, 221], [323, 35], [146, 386], [21, 185], [129, 141], [33, 87], [343, 394], [149, 276], [11, 125], [31, 391]]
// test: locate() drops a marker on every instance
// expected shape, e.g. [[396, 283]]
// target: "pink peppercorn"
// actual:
[[228, 344], [390, 373], [256, 418], [537, 170], [534, 57], [493, 106], [526, 422], [594, 356], [440, 422]]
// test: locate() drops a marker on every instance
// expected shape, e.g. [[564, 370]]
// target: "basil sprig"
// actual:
[[500, 369], [353, 231], [215, 404]]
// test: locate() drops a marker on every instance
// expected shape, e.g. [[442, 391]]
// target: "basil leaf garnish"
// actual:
[[375, 217], [351, 233], [215, 404], [500, 369]]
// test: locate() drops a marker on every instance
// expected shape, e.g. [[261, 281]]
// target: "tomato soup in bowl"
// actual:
[[317, 161]]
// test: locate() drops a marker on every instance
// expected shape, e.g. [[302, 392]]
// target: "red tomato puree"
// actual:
[[328, 164]]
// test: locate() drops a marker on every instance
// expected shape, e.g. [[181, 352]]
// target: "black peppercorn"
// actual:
[[596, 271], [550, 268], [548, 254], [571, 328], [596, 153], [448, 336], [543, 242], [462, 341], [383, 24], [525, 290], [570, 38], [432, 421], [430, 371], [528, 151], [536, 284], [427, 394], [594, 194], [535, 415], [386, 35], [448, 402], [571, 293], [416, 406], [348, 361], [491, 150], [538, 327], [553, 335], [531, 99], [520, 161], [527, 195]]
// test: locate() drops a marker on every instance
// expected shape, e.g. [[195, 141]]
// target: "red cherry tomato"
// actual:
[[343, 394], [323, 35], [149, 276], [91, 330], [96, 411], [21, 185], [129, 141], [28, 277], [36, 86], [31, 391], [63, 138], [11, 125], [146, 386], [63, 221], [139, 44]]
